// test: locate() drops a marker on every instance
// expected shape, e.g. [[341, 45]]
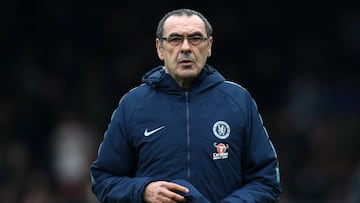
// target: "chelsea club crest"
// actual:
[[221, 129]]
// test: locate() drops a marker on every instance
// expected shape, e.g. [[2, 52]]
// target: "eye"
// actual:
[[175, 39], [195, 39]]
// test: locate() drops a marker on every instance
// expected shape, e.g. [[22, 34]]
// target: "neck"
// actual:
[[186, 86], [184, 83]]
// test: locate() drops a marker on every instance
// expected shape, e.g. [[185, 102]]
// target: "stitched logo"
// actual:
[[148, 133], [221, 129], [221, 151]]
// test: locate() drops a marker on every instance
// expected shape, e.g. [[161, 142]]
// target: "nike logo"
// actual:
[[148, 133]]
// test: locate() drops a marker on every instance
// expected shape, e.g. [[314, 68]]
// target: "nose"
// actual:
[[185, 46]]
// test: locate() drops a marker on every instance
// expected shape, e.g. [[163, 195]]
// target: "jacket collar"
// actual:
[[158, 79]]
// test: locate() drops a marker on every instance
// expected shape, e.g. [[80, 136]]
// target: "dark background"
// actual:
[[64, 65]]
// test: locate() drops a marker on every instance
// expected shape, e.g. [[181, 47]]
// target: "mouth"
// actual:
[[186, 62]]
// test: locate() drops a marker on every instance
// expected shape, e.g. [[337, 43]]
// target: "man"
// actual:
[[186, 134]]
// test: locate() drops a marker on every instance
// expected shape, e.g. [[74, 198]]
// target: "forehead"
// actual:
[[184, 25]]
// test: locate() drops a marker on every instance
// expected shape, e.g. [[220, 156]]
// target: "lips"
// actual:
[[186, 61]]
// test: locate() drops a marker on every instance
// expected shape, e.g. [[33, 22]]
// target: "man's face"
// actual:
[[184, 59]]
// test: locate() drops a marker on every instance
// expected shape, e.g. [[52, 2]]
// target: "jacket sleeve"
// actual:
[[112, 173], [260, 163]]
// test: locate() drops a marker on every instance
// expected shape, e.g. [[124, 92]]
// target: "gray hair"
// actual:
[[182, 12]]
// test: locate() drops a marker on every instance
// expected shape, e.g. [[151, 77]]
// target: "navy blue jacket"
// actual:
[[210, 137]]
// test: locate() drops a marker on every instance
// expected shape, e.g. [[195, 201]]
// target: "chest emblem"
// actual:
[[148, 133], [221, 129], [221, 151]]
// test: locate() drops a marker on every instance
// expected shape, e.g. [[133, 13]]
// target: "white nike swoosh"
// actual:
[[147, 133]]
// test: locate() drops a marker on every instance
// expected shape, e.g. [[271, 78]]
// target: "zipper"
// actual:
[[187, 133]]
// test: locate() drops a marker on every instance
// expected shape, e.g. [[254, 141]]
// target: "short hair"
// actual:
[[182, 12]]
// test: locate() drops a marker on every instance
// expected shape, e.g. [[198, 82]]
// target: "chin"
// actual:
[[189, 74]]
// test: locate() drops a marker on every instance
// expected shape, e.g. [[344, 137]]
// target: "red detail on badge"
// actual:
[[221, 148]]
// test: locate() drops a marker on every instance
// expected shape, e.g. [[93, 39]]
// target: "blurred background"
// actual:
[[64, 65]]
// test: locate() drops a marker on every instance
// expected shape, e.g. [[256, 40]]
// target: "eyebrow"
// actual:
[[190, 35]]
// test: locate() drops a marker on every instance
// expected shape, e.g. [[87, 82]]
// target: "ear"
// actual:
[[210, 41], [159, 49]]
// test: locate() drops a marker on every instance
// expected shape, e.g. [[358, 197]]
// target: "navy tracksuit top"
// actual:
[[211, 138]]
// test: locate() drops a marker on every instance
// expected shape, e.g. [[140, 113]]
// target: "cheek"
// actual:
[[171, 56], [170, 59]]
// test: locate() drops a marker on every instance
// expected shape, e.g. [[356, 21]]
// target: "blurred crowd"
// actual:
[[64, 66]]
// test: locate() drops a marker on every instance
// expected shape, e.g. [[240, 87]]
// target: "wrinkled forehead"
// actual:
[[184, 25]]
